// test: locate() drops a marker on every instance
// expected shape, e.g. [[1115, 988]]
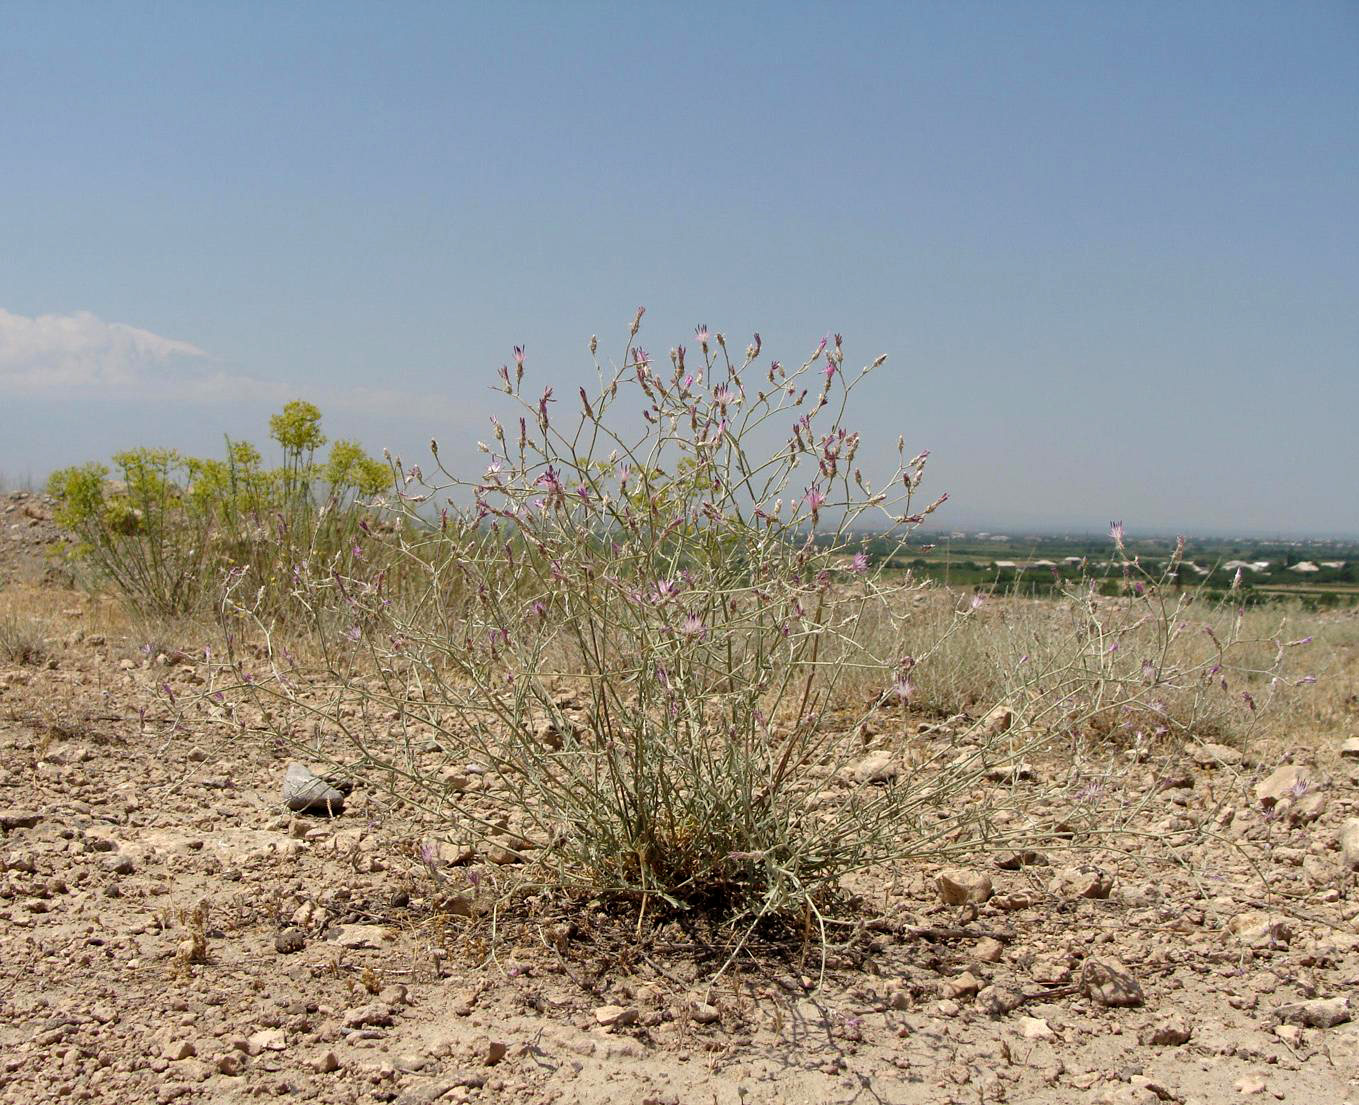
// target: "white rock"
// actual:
[[876, 767], [267, 1039], [362, 936], [611, 1016], [1215, 755], [1349, 843], [1318, 1013], [1082, 882], [960, 887], [1288, 781], [1257, 929]]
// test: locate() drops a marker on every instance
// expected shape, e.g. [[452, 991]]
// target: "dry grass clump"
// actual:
[[23, 638]]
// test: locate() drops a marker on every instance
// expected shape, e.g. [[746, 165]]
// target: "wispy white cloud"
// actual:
[[81, 356]]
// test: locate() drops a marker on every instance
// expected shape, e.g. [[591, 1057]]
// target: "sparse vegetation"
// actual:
[[637, 709], [169, 528], [22, 639]]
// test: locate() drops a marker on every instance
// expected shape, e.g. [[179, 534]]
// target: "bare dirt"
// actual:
[[168, 931]]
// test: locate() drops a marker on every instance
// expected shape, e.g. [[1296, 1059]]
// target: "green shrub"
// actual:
[[167, 529]]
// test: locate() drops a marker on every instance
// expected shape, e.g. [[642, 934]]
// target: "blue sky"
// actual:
[[1111, 249]]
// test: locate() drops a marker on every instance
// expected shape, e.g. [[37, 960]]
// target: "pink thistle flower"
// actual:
[[860, 565], [815, 497], [519, 355], [1116, 532], [903, 688], [693, 627]]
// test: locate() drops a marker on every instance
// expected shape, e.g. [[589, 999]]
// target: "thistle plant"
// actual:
[[654, 641]]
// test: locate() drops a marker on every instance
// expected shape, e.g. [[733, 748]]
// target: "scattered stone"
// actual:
[[12, 819], [1086, 881], [355, 937], [700, 1012], [230, 1064], [1290, 780], [326, 1062], [374, 1014], [998, 721], [960, 887], [427, 1093], [964, 986], [1350, 749], [1035, 1028], [1215, 755], [393, 995], [306, 792], [1170, 1032], [1349, 843], [493, 1052], [1290, 1034], [1013, 861], [1140, 1081], [615, 1016], [503, 856], [119, 865], [1128, 1095], [1107, 982], [989, 950], [997, 1001], [290, 940], [1015, 900], [267, 1039], [1251, 1084], [876, 767], [1256, 929], [1317, 1013], [176, 1050], [1302, 809]]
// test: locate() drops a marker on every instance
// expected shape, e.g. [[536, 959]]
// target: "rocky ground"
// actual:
[[170, 930]]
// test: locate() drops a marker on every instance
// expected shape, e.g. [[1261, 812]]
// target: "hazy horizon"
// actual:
[[1112, 253]]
